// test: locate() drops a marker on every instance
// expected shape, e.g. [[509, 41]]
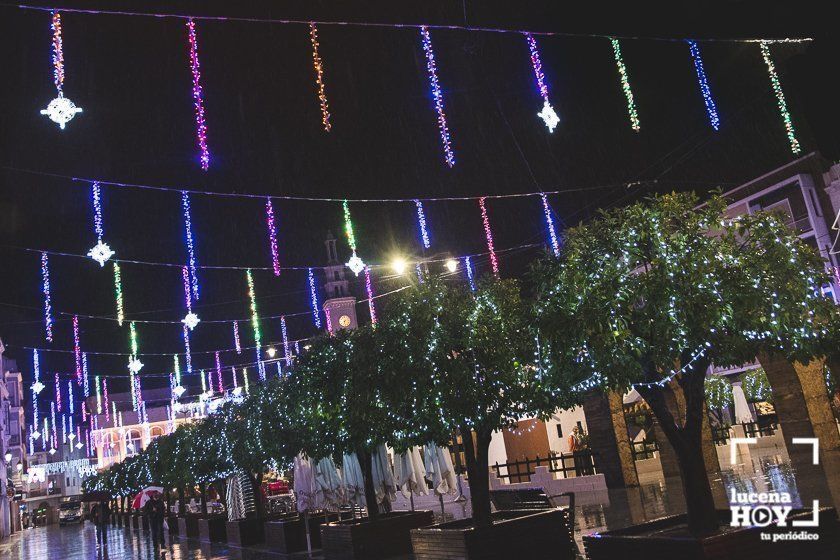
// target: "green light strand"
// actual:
[[98, 396], [118, 294], [348, 228], [625, 85], [780, 98], [133, 339], [203, 382], [255, 320], [245, 379]]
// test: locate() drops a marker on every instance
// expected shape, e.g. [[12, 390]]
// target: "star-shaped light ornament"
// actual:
[[61, 111], [549, 116], [135, 365], [356, 264], [191, 320], [101, 253], [179, 390], [37, 387], [52, 451]]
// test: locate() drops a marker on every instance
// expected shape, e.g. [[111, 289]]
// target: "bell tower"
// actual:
[[339, 304]]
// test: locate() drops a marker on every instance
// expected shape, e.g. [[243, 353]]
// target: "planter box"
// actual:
[[669, 538], [515, 534], [289, 535], [362, 539], [188, 527], [246, 532], [212, 529], [172, 521]]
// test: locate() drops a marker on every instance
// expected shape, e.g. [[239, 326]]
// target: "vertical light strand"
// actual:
[[64, 429], [703, 82], [133, 338], [255, 320], [70, 404], [488, 233], [548, 114], [85, 376], [236, 342], [221, 383], [369, 289], [54, 424], [549, 222], [431, 67], [233, 377], [245, 379], [37, 386], [625, 86], [190, 320], [313, 296], [118, 294], [272, 236], [185, 203], [57, 53], [45, 278], [287, 351], [355, 263], [203, 382], [100, 252], [198, 98], [176, 363], [97, 387], [187, 350], [105, 400], [329, 322], [421, 224], [780, 98], [470, 274], [77, 349], [133, 368], [57, 392], [319, 78]]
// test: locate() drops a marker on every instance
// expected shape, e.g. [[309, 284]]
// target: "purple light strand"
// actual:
[[488, 233], [421, 223], [45, 276], [70, 404], [219, 372], [77, 349], [287, 352], [57, 392], [537, 64], [236, 342], [198, 97], [549, 221], [313, 295], [369, 289], [272, 236], [97, 211], [57, 53], [85, 375], [185, 203], [431, 66]]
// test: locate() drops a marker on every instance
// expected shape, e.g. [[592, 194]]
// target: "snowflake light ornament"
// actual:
[[135, 365], [37, 387], [355, 264], [191, 320], [61, 111], [101, 252], [549, 116]]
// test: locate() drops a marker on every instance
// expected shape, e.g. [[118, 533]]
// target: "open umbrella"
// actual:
[[144, 496]]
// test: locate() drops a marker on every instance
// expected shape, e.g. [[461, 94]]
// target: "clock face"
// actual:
[[344, 321]]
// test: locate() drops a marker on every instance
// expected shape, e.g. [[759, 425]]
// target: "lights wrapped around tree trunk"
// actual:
[[708, 100], [198, 99], [780, 98], [625, 86], [431, 67], [319, 78], [45, 280], [60, 110], [488, 233], [313, 296], [547, 114]]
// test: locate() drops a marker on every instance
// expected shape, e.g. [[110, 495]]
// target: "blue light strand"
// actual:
[[85, 375], [711, 108], [97, 210], [421, 223], [549, 221], [185, 202], [313, 295], [470, 277], [45, 277], [431, 66], [287, 351]]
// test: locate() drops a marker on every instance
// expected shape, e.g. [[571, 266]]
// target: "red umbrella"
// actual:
[[144, 496]]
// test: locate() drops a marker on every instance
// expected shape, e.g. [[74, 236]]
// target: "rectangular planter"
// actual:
[[188, 527], [668, 538], [212, 529], [172, 521], [246, 532], [530, 534], [289, 535], [362, 539]]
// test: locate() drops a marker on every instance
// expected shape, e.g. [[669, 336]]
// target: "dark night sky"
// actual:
[[132, 78]]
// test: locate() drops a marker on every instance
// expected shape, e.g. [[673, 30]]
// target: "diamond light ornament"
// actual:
[[179, 390], [71, 436], [191, 320], [356, 264], [37, 387], [134, 365], [79, 445], [237, 391], [36, 434], [61, 111], [549, 116], [52, 451], [101, 253]]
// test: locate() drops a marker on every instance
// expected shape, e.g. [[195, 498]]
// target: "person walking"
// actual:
[[101, 515], [155, 512]]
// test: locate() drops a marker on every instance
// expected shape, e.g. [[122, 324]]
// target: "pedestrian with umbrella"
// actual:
[[101, 516], [155, 512]]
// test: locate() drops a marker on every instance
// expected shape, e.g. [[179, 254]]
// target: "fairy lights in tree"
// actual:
[[255, 319], [369, 289], [219, 372], [470, 274], [236, 342], [77, 349], [625, 86], [355, 263], [488, 233], [45, 278], [287, 351], [272, 236], [431, 66], [60, 110], [191, 260], [711, 108], [85, 376], [118, 295], [780, 98], [100, 252], [549, 222], [198, 99], [313, 296], [190, 320], [421, 224], [319, 77], [548, 115]]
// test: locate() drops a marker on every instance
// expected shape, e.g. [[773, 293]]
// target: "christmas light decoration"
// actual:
[[187, 351], [219, 373], [245, 378], [488, 233], [190, 320], [272, 236], [70, 435], [549, 222], [191, 261], [118, 295], [780, 98], [70, 404], [625, 86], [57, 392], [451, 265], [177, 368], [313, 296], [203, 382], [85, 376], [37, 386], [421, 223], [548, 115], [83, 406], [355, 263], [431, 66], [97, 383], [319, 78], [329, 323], [64, 429], [45, 277], [198, 98], [105, 399], [100, 252], [468, 267], [77, 350], [255, 320], [287, 351], [60, 110], [369, 290], [236, 341], [711, 108], [53, 423]]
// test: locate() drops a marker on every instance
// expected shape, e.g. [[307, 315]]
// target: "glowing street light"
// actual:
[[399, 265], [271, 351], [451, 265]]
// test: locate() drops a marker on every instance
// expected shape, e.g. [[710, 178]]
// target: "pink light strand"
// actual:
[[219, 373], [198, 96], [369, 289], [537, 64], [57, 392], [488, 233], [77, 349], [431, 67], [58, 53], [272, 236]]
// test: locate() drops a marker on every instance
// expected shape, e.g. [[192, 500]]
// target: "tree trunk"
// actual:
[[366, 462], [478, 470], [256, 484], [203, 489], [686, 441], [182, 501]]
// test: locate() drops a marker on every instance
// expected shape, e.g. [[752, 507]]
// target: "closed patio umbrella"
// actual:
[[305, 487], [383, 477], [352, 480], [329, 482], [410, 473]]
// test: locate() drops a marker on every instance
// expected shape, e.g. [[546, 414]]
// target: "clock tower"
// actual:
[[339, 305]]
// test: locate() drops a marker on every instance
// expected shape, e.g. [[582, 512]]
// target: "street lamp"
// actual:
[[8, 457], [399, 265], [451, 265], [271, 351]]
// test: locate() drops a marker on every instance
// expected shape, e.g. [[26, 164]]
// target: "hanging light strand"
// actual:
[[488, 233], [369, 289], [236, 342], [57, 53], [77, 349], [118, 294], [470, 274], [198, 97], [255, 322], [272, 236], [780, 98], [703, 82], [85, 376], [287, 351], [625, 86], [355, 263], [313, 296], [191, 260], [431, 66], [549, 222], [221, 383], [319, 78], [45, 278], [421, 224], [548, 114]]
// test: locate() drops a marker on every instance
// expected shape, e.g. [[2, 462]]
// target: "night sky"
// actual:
[[131, 75]]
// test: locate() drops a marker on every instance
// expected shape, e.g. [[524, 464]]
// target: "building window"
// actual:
[[133, 442], [559, 431], [156, 431]]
